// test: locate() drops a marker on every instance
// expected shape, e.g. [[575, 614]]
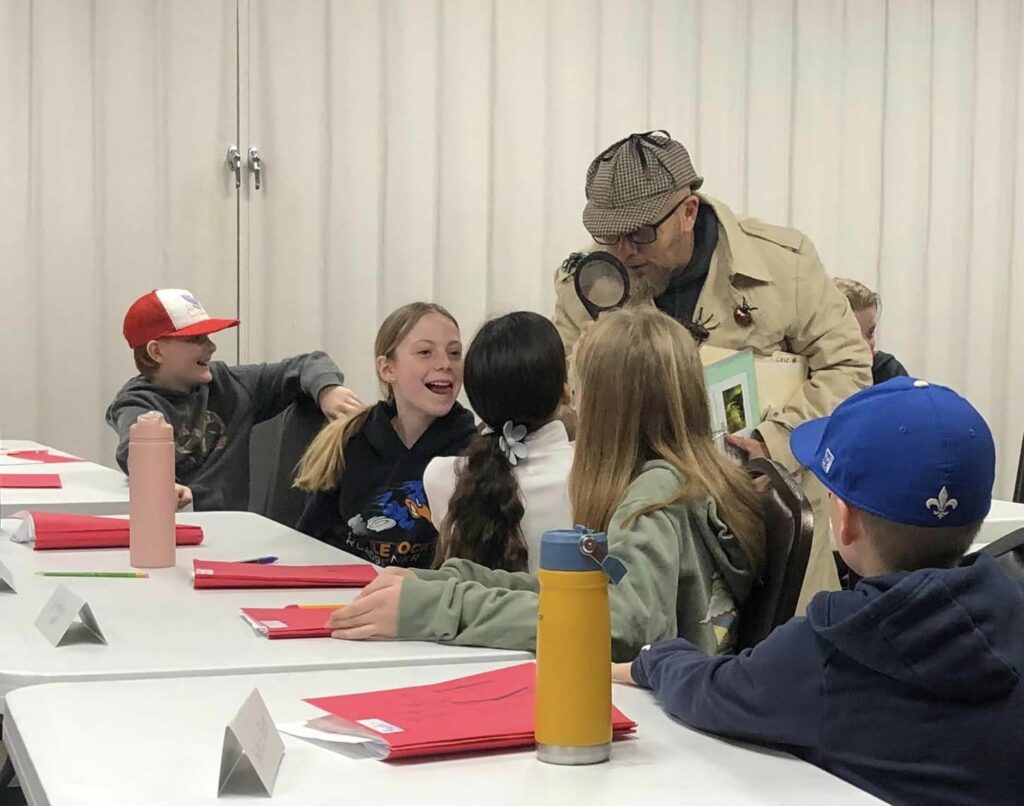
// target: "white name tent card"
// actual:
[[251, 755], [6, 580], [67, 618]]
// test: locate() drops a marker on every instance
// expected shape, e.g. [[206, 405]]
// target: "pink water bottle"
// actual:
[[152, 501]]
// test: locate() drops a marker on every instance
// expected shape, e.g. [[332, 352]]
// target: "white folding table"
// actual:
[[86, 487], [162, 627], [1003, 518], [158, 742]]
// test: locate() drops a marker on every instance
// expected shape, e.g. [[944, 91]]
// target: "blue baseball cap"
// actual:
[[906, 450]]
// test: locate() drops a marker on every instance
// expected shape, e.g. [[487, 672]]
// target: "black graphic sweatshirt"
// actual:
[[378, 510]]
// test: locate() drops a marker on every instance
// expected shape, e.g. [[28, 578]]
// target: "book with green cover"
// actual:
[[732, 394]]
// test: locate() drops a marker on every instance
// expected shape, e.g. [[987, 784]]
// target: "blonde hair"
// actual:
[[642, 397], [859, 295], [324, 460]]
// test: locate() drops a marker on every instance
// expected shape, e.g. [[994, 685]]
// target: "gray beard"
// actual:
[[643, 290]]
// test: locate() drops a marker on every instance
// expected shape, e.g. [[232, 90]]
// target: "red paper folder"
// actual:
[[45, 457], [479, 712], [30, 481], [55, 530], [289, 622], [209, 574]]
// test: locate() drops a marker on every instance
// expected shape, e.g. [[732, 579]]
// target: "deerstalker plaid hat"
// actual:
[[629, 182]]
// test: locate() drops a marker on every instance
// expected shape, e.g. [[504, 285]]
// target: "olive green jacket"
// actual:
[[686, 574]]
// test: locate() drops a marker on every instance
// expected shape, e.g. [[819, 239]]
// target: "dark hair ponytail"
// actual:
[[514, 371]]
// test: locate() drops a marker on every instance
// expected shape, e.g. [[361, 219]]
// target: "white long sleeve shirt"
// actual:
[[543, 483]]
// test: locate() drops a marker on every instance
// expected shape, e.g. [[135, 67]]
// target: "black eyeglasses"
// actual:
[[641, 235]]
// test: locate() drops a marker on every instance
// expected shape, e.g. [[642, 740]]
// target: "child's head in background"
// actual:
[[866, 306]]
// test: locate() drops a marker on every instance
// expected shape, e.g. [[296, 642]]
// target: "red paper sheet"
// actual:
[[56, 530], [478, 712], [45, 457], [209, 574], [291, 621], [29, 481]]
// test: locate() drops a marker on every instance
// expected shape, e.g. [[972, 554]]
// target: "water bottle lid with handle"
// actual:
[[579, 549]]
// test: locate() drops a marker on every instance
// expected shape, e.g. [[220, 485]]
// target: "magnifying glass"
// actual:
[[602, 283]]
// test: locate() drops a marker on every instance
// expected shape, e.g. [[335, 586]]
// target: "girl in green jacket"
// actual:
[[684, 520]]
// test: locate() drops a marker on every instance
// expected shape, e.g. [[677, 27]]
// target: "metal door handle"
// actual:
[[255, 164], [234, 161]]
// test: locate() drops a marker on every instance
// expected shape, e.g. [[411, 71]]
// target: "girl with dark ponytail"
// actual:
[[492, 504]]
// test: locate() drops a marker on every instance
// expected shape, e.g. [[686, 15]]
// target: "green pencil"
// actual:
[[110, 574]]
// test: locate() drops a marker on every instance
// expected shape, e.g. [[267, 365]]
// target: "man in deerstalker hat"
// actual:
[[735, 282]]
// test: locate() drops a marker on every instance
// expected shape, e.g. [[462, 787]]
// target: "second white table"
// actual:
[[161, 627]]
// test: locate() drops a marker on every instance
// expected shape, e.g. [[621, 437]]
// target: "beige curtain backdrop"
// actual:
[[114, 117], [436, 149]]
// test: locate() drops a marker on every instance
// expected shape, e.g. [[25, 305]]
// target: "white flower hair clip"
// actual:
[[511, 442]]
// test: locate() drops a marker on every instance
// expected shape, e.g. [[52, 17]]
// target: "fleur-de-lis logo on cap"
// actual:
[[940, 507]]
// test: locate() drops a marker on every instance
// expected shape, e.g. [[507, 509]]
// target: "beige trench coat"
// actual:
[[777, 271]]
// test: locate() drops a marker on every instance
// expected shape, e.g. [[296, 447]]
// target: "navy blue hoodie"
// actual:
[[908, 686]]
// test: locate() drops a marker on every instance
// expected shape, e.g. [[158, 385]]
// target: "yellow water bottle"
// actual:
[[574, 647]]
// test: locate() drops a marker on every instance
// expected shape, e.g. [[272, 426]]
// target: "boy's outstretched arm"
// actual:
[[275, 386], [770, 694]]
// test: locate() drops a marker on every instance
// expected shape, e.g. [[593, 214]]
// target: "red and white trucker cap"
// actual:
[[166, 313]]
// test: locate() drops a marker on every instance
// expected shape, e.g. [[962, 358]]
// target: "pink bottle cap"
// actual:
[[150, 426]]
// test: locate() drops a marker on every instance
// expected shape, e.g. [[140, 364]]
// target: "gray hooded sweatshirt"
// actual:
[[212, 422]]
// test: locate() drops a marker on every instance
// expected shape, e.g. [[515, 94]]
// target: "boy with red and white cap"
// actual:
[[910, 685], [212, 406]]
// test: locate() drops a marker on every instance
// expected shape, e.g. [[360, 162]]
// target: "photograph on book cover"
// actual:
[[732, 395]]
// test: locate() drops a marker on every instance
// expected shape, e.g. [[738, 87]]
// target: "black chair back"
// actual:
[[1018, 485], [1009, 553], [300, 423], [789, 528]]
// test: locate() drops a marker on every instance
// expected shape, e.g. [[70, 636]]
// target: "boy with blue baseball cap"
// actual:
[[909, 685]]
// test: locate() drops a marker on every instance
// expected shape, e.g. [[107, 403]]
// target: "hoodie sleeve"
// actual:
[[643, 604], [273, 387], [121, 417], [466, 603], [771, 694], [468, 613]]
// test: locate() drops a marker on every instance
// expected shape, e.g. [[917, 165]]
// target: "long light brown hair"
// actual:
[[641, 396], [324, 460]]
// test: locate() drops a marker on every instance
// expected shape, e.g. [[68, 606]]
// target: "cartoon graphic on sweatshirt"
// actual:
[[396, 529]]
